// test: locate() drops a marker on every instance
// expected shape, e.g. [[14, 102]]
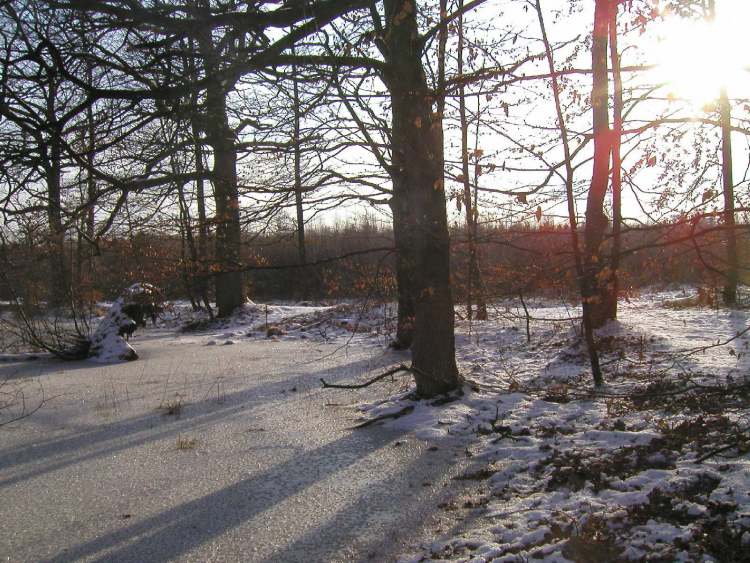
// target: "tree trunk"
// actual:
[[403, 229], [729, 293], [596, 286], [732, 276], [298, 190], [189, 250], [201, 281], [91, 250], [417, 159], [220, 136], [59, 274], [570, 196], [228, 278], [610, 297], [187, 265], [474, 271], [473, 280], [466, 199]]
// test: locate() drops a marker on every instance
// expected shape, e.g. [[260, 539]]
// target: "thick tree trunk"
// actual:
[[228, 277], [403, 228], [596, 284], [417, 157], [59, 274], [201, 279]]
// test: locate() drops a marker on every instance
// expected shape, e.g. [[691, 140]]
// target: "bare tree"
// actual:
[[474, 290], [596, 285], [570, 197]]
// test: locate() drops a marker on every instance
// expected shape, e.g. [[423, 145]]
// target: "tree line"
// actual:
[[217, 119]]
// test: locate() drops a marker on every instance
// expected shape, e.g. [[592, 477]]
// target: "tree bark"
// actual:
[[228, 278], [405, 262], [417, 158], [596, 286], [59, 272]]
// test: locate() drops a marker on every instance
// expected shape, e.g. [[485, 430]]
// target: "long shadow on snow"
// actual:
[[734, 321], [141, 429], [400, 499], [178, 530]]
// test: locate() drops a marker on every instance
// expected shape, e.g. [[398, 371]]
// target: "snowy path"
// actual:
[[254, 466]]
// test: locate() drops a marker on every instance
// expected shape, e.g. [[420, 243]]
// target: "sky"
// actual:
[[691, 60]]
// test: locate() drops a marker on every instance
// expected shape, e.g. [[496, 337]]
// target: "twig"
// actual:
[[393, 371], [717, 451], [528, 317], [693, 351]]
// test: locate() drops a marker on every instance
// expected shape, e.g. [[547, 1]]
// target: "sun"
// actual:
[[697, 58]]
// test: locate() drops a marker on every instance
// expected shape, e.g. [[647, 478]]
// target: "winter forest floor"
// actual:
[[220, 444]]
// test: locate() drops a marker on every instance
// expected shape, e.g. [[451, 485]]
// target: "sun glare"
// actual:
[[695, 59]]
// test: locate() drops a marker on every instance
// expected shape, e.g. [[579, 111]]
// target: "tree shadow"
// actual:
[[732, 322], [378, 523], [178, 530], [58, 453], [53, 454]]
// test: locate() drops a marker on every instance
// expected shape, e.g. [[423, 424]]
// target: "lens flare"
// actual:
[[696, 58]]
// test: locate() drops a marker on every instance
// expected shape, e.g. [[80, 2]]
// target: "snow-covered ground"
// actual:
[[654, 467], [569, 474]]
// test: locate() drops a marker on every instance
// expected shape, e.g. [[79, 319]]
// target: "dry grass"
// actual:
[[186, 443], [171, 407]]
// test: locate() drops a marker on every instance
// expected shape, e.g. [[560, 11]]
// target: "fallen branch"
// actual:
[[406, 410], [718, 451], [393, 371], [740, 444]]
